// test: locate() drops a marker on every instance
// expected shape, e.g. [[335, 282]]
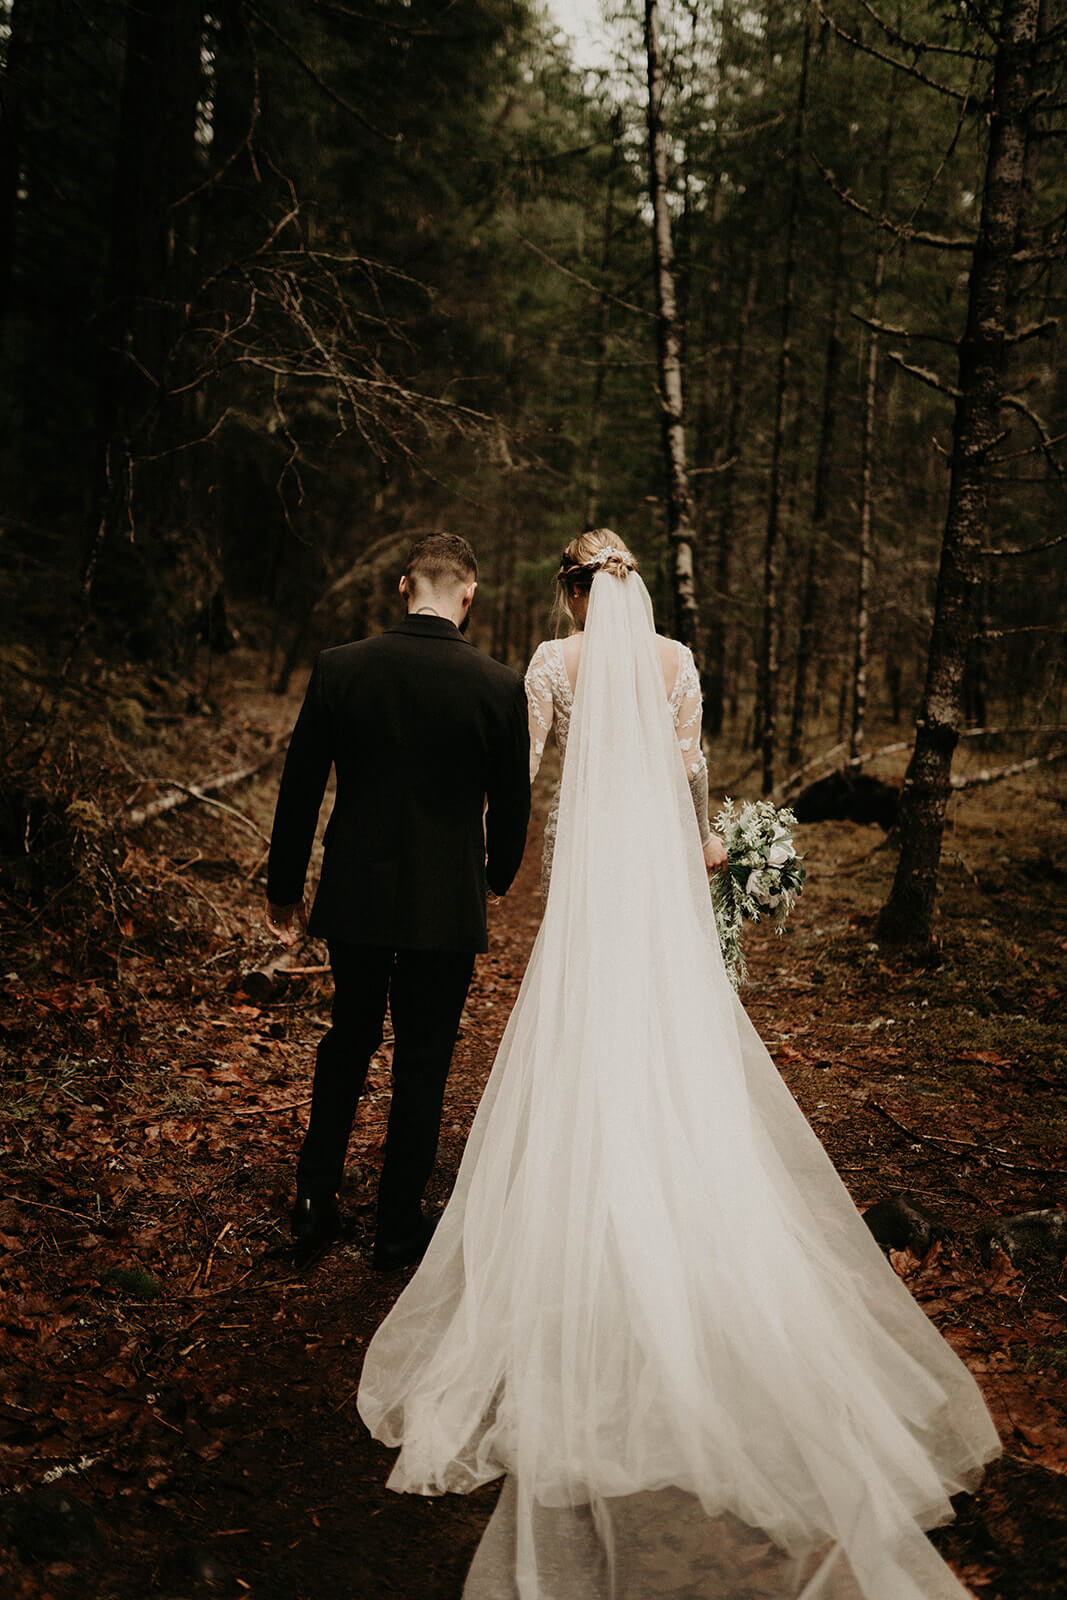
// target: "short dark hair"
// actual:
[[440, 558]]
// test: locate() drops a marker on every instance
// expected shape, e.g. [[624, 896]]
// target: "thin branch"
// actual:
[[1007, 633], [890, 61], [919, 46], [1033, 330], [927, 377], [245, 144], [1014, 403], [1027, 549], [949, 150], [331, 94], [900, 230], [601, 294], [901, 333], [1053, 250]]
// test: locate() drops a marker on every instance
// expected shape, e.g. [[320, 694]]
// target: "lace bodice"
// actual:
[[550, 701]]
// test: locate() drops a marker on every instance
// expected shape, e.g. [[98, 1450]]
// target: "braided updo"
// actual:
[[596, 550]]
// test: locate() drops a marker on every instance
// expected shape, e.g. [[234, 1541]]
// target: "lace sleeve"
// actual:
[[688, 709], [539, 705]]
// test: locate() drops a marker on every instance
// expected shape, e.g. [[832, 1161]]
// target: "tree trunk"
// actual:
[[596, 410], [672, 414], [767, 709], [908, 912], [715, 677], [155, 166], [861, 648], [13, 94], [820, 502]]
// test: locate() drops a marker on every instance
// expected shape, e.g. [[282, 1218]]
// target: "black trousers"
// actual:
[[425, 991]]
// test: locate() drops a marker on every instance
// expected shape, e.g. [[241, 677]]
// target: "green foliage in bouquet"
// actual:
[[762, 877]]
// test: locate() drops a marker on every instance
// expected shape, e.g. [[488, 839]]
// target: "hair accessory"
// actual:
[[608, 553]]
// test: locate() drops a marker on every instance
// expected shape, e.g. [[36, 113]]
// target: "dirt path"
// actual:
[[191, 1398]]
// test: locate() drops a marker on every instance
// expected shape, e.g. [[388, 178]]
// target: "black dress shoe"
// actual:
[[390, 1255], [315, 1223]]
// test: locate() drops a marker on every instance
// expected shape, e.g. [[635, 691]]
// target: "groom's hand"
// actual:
[[287, 922]]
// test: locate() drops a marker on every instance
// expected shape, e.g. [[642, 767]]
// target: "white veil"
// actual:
[[650, 1301]]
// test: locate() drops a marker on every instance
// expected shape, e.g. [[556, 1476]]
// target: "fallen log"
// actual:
[[995, 774], [269, 981], [180, 794], [788, 785]]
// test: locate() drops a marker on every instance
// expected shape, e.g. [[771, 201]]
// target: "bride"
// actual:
[[650, 1304]]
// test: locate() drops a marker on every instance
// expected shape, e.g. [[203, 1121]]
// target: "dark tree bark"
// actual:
[[680, 528], [908, 912], [603, 335], [13, 92], [820, 503], [714, 679], [767, 706], [864, 558], [154, 167]]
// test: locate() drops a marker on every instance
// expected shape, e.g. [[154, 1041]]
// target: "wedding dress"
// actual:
[[650, 1301]]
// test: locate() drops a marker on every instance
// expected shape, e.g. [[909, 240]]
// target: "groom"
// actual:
[[430, 745]]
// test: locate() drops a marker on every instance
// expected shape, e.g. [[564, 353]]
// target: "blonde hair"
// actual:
[[580, 562]]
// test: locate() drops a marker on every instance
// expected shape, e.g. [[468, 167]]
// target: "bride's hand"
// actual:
[[714, 853]]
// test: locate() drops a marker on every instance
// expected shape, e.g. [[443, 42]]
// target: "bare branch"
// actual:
[[900, 230], [891, 61], [946, 154], [1054, 249], [1007, 633], [1027, 549], [331, 94], [1033, 330], [1040, 428], [919, 46], [641, 311], [927, 377], [245, 144], [901, 333]]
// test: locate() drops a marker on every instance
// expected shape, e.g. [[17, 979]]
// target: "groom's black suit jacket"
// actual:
[[423, 730]]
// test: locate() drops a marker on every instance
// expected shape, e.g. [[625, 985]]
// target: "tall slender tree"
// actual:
[[908, 913], [767, 706], [864, 542], [680, 528]]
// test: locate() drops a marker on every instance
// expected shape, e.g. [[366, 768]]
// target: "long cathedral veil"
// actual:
[[651, 1302]]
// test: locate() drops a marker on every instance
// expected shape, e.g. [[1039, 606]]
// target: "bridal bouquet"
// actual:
[[762, 877]]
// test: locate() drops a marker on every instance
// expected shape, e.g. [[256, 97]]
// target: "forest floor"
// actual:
[[178, 1416]]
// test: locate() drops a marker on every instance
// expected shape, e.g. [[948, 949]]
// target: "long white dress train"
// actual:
[[650, 1301]]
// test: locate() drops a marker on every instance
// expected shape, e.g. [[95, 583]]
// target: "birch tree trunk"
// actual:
[[767, 707], [680, 530], [908, 913]]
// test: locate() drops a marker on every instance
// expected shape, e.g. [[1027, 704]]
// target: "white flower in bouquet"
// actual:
[[761, 891], [781, 850]]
